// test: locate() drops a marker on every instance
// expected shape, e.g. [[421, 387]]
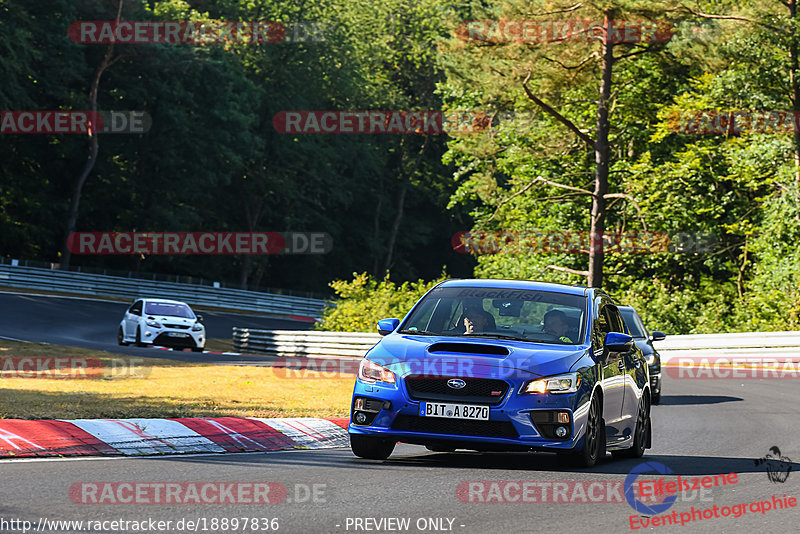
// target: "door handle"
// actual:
[[621, 366]]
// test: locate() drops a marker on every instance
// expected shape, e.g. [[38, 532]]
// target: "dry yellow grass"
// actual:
[[150, 387]]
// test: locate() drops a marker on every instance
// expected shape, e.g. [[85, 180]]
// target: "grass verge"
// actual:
[[109, 385]]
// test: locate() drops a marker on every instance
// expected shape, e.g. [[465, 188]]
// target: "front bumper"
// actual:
[[175, 338], [517, 422], [655, 379]]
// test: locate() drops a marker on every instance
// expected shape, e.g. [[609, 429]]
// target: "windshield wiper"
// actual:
[[419, 332]]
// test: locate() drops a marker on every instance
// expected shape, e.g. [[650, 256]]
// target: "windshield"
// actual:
[[171, 310], [526, 315], [634, 324]]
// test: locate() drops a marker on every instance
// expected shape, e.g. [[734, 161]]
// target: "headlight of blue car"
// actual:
[[372, 372], [568, 383]]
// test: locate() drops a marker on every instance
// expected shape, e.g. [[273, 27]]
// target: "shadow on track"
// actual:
[[522, 462], [687, 400]]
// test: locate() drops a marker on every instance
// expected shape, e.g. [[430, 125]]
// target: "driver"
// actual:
[[555, 324], [476, 320]]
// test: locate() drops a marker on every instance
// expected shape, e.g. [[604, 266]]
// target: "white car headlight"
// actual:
[[152, 323], [372, 372], [197, 328], [568, 383]]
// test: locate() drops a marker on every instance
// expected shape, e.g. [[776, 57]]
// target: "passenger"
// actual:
[[555, 324]]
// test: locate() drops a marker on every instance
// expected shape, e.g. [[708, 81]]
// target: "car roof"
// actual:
[[517, 284]]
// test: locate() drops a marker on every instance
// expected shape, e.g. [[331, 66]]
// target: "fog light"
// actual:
[[563, 417], [561, 431], [360, 418]]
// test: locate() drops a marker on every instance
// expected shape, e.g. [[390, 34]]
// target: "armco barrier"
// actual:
[[356, 344], [733, 345], [196, 295], [302, 343]]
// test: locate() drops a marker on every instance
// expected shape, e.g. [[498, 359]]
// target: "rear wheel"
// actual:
[[121, 338], [370, 447], [641, 434], [198, 349]]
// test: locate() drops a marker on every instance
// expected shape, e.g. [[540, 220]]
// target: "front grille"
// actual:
[[181, 326], [481, 390], [458, 427], [167, 341]]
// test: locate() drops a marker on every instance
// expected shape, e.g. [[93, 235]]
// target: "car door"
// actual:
[[613, 373], [631, 367], [132, 317]]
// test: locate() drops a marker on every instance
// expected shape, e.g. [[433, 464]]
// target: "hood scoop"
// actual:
[[469, 348]]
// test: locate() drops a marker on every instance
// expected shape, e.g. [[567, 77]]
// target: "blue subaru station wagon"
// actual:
[[502, 365]]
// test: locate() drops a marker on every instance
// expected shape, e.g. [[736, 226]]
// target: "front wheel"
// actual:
[[198, 349], [138, 342], [371, 448], [594, 441]]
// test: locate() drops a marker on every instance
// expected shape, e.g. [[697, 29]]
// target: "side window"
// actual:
[[601, 326], [136, 309], [615, 319]]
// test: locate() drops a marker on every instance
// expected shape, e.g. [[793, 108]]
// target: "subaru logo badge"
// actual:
[[456, 383]]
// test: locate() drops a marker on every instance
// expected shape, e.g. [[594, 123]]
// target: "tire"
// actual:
[[657, 398], [121, 338], [641, 434], [198, 349], [594, 441], [370, 447], [138, 341]]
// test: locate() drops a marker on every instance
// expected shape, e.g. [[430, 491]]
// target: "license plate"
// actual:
[[177, 334], [454, 411]]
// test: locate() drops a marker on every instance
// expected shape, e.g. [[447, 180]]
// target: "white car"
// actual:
[[168, 323]]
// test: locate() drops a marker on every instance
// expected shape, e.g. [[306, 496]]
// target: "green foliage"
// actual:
[[365, 300]]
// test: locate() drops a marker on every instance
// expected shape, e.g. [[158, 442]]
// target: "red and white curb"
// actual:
[[135, 437]]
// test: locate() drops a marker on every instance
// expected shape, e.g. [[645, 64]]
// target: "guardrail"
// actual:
[[356, 344], [302, 343], [131, 288], [734, 345]]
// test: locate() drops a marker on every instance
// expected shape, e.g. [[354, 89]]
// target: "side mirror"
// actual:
[[199, 318], [658, 336], [618, 342], [387, 326]]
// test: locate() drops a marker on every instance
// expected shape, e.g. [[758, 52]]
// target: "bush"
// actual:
[[362, 302]]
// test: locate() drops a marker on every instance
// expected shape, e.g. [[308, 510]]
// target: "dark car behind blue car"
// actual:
[[644, 340], [505, 365]]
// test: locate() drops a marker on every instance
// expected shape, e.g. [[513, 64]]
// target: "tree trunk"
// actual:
[[598, 220], [792, 5], [401, 201], [94, 148], [407, 175]]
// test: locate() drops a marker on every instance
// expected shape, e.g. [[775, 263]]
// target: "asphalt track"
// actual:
[[93, 323], [702, 427]]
